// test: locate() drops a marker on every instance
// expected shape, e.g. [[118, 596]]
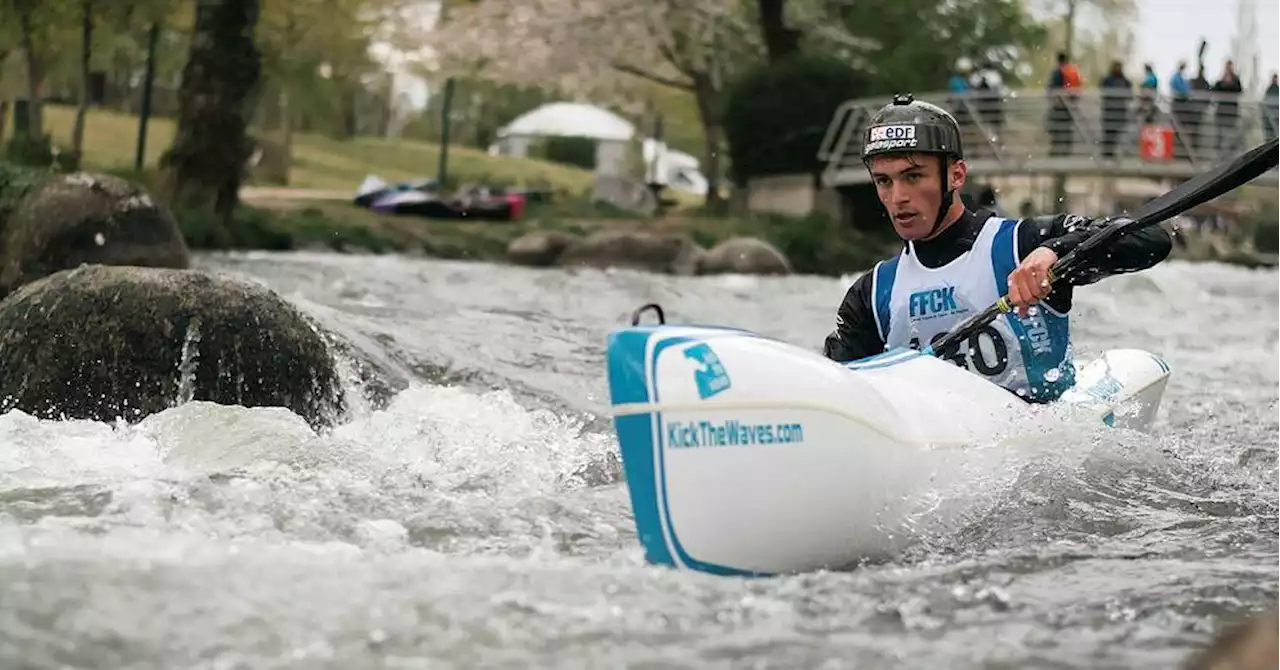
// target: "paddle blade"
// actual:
[[1223, 178]]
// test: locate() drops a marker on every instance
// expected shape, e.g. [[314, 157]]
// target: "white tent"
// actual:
[[570, 119], [612, 134]]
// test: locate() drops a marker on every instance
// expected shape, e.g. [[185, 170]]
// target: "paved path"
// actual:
[[286, 193]]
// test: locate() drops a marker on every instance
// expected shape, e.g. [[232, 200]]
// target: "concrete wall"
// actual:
[[792, 194]]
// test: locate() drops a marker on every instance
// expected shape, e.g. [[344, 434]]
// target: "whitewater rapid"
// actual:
[[478, 519]]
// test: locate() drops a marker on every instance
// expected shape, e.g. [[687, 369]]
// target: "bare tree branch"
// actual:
[[655, 78]]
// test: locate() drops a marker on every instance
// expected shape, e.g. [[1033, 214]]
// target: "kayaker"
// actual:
[[956, 262]]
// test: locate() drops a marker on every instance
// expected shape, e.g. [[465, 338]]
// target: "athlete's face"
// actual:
[[911, 190]]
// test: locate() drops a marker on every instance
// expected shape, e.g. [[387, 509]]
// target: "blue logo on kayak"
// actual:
[[711, 378], [1105, 389]]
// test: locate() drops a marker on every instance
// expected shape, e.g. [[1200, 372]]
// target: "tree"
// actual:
[[1093, 32], [32, 19], [780, 41], [82, 103], [582, 46], [793, 98], [917, 42], [205, 165]]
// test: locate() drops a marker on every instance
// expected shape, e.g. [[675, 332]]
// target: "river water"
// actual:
[[479, 521]]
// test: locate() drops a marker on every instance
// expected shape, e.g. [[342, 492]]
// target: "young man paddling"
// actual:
[[957, 262]]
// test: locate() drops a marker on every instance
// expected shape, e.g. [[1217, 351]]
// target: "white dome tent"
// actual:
[[570, 119], [612, 134]]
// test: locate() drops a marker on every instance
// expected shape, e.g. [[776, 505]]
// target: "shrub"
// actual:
[[775, 115]]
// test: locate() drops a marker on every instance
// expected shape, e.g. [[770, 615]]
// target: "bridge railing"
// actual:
[[1077, 131]]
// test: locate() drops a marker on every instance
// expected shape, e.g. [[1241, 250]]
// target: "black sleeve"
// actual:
[[856, 335], [1061, 233]]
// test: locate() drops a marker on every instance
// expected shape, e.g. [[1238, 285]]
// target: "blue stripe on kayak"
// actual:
[[887, 359], [627, 384], [640, 444]]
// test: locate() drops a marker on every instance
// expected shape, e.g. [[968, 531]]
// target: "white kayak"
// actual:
[[745, 455]]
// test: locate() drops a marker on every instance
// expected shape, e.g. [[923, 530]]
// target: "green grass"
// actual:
[[110, 141]]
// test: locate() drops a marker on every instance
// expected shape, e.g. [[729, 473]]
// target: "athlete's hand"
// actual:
[[1029, 282]]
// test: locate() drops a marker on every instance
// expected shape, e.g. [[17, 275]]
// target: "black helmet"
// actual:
[[908, 125], [911, 126]]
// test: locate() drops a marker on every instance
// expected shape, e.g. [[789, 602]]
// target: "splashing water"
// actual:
[[187, 364], [477, 520]]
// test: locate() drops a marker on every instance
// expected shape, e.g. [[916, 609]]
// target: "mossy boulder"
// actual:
[[744, 255], [539, 248], [70, 219], [105, 343], [669, 253]]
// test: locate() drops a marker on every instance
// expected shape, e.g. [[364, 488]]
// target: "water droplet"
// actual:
[[1052, 375], [99, 239]]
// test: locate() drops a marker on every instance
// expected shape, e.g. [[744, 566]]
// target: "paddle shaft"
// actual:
[[1223, 178]]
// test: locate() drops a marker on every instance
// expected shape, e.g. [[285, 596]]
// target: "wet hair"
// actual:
[[912, 157]]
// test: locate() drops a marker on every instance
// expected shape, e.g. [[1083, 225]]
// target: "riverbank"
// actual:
[[812, 245]]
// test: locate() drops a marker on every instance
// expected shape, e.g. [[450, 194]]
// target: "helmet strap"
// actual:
[[947, 194]]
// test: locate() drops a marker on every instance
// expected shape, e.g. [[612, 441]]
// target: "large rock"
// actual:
[[86, 218], [539, 248], [744, 255], [102, 342], [655, 252]]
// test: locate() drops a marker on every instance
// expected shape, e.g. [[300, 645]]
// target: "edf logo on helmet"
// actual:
[[896, 136]]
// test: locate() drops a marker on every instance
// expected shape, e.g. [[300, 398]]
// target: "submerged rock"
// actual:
[[103, 342], [539, 248], [86, 218], [744, 255], [654, 252]]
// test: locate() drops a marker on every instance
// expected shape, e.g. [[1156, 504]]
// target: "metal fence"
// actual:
[[1084, 132]]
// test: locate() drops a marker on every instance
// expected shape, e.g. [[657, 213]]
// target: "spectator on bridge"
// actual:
[[958, 84], [1198, 108], [1117, 91], [988, 91], [1147, 94], [1226, 92], [1063, 88], [1181, 108], [1271, 109], [958, 93]]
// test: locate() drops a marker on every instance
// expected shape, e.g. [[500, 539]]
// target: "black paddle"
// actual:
[[1225, 177]]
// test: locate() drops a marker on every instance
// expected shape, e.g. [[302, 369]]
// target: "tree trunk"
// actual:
[[707, 97], [208, 159], [4, 103], [82, 109], [286, 127], [34, 115], [779, 41]]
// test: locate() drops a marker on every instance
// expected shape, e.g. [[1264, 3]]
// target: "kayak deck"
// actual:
[[746, 455]]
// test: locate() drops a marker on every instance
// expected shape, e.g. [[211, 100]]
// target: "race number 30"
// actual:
[[986, 352]]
